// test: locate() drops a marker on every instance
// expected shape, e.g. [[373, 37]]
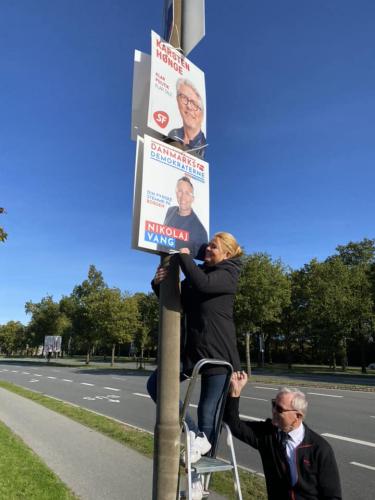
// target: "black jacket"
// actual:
[[318, 476], [207, 295]]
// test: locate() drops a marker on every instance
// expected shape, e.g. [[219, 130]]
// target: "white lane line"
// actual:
[[86, 383], [372, 416], [67, 380], [111, 389], [34, 380], [118, 378], [256, 399], [326, 395], [38, 375], [362, 465], [267, 388], [25, 373], [141, 395], [14, 371], [5, 370], [53, 378], [351, 440]]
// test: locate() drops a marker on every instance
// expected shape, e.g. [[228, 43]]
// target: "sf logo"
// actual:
[[161, 118]]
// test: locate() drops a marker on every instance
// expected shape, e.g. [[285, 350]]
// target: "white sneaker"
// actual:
[[199, 445], [196, 487]]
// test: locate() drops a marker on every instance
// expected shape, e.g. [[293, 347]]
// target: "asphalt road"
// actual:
[[345, 418]]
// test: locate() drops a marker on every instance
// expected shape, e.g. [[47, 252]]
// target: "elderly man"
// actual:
[[183, 217], [298, 463], [191, 110]]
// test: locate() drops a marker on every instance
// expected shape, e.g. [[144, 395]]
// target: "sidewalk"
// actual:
[[92, 465]]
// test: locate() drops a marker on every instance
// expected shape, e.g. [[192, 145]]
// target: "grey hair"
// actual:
[[299, 401], [188, 83]]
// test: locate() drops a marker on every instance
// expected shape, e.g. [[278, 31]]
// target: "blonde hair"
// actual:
[[230, 244]]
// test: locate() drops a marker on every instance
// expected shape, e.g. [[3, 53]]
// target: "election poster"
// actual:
[[177, 101], [171, 199]]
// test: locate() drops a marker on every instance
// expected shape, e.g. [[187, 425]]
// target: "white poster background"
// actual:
[[163, 165], [167, 66]]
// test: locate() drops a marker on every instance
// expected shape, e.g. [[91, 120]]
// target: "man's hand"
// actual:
[[185, 250], [237, 383]]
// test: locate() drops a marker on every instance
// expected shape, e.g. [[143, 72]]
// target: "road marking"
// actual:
[[327, 395], [5, 370], [25, 373], [67, 380], [118, 378], [372, 416], [141, 395], [34, 380], [38, 375], [351, 440], [14, 371], [111, 389], [363, 465], [86, 383], [267, 388], [53, 378], [113, 400], [256, 399]]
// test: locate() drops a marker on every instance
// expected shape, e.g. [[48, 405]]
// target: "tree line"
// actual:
[[323, 313]]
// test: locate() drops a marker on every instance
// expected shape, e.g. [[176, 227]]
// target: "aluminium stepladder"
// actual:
[[208, 464]]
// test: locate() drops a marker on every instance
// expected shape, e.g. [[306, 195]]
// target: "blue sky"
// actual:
[[290, 125]]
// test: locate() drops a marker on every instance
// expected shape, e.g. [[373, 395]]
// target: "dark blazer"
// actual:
[[318, 476]]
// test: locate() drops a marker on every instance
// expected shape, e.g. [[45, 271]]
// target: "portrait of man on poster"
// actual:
[[183, 217], [191, 108]]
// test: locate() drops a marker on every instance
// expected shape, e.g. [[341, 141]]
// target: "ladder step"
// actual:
[[208, 464]]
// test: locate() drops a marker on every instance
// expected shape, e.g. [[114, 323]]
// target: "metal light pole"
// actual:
[[167, 427]]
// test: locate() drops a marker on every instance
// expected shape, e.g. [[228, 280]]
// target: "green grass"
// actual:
[[253, 486], [23, 475]]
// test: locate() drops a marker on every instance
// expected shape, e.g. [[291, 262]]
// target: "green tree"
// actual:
[[46, 319], [12, 337], [328, 299], [86, 321], [3, 234], [359, 257], [116, 317], [263, 293], [147, 334]]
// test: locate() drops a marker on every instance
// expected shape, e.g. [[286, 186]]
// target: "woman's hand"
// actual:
[[237, 383], [160, 275], [185, 250]]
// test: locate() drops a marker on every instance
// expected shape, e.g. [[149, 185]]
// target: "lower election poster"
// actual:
[[171, 199]]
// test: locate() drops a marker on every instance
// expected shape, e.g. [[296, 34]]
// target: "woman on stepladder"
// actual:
[[207, 295]]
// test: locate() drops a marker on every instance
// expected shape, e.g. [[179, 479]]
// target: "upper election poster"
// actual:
[[174, 201], [177, 104]]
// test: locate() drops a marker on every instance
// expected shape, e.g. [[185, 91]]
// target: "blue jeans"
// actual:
[[211, 390]]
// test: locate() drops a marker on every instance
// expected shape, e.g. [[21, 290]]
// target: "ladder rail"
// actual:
[[219, 425]]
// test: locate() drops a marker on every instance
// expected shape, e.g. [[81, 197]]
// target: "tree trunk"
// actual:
[[269, 351], [344, 355], [288, 351], [363, 355], [88, 355], [334, 361], [248, 363], [113, 354]]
